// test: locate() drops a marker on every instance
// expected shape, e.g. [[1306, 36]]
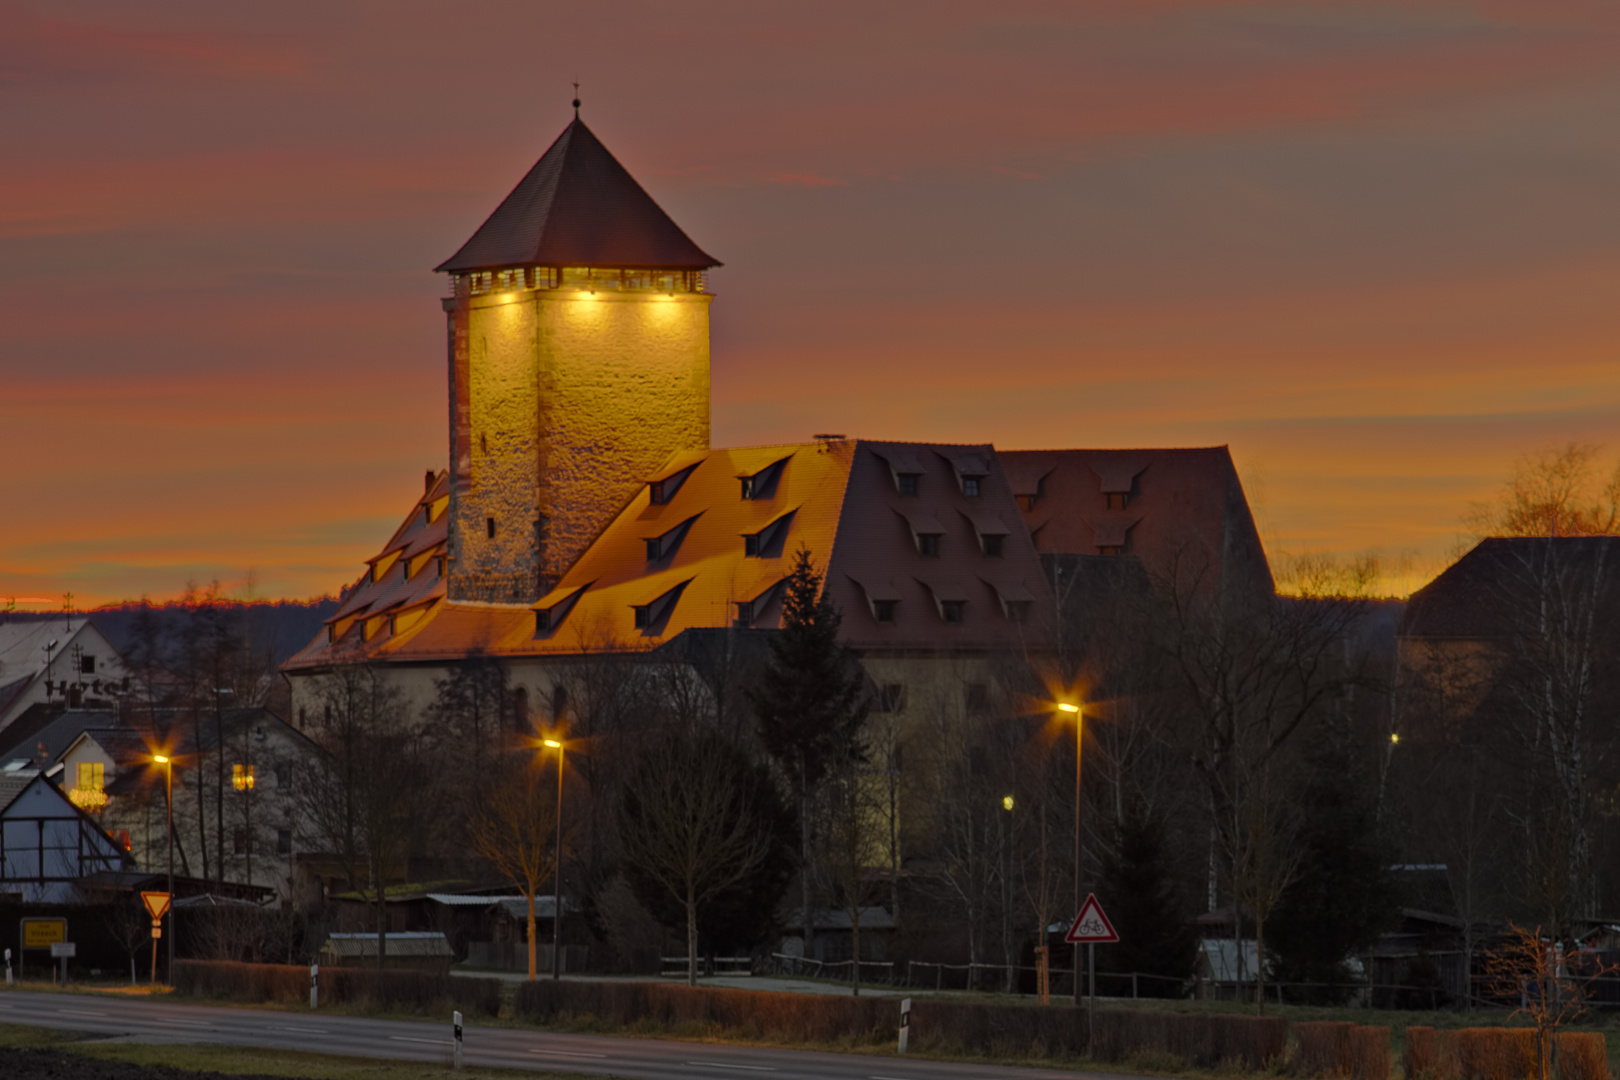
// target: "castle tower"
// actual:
[[579, 362]]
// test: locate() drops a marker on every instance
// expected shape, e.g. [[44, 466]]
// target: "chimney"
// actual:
[[427, 482]]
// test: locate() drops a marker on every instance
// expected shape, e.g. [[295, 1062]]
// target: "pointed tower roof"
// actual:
[[578, 207]]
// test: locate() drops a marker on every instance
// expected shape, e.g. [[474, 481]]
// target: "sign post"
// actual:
[[314, 986], [457, 1061], [1091, 928], [157, 903], [905, 1023], [63, 950], [38, 934]]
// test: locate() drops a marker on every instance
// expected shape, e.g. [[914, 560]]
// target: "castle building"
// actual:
[[583, 509]]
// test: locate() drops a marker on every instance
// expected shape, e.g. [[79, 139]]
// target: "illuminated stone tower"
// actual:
[[579, 362]]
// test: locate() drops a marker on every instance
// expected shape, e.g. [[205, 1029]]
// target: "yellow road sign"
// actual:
[[43, 933], [156, 903]]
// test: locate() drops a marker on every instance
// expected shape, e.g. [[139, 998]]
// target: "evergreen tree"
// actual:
[[1344, 895], [1139, 893], [810, 701]]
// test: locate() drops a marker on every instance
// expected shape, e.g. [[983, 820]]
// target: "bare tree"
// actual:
[[691, 823], [516, 830], [1556, 491]]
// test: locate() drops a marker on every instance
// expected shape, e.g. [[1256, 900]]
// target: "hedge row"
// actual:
[[1340, 1048], [1198, 1039], [400, 991], [1487, 1053]]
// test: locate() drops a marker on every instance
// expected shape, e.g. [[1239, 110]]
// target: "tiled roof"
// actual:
[[1487, 592], [1174, 508], [578, 207]]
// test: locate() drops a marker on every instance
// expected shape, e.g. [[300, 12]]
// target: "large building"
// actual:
[[584, 511]]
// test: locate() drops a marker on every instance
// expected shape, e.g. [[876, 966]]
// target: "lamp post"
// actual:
[[1079, 727], [168, 807], [556, 892]]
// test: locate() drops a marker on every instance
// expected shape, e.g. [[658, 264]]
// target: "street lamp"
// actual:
[[168, 807], [556, 891], [1079, 728]]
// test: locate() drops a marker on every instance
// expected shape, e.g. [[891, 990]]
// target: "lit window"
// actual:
[[92, 776], [992, 543], [907, 483], [970, 486], [928, 544], [883, 610], [951, 610], [1117, 500], [242, 777], [489, 527], [1108, 549]]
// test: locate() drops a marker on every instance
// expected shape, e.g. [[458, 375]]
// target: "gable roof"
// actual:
[[1491, 589], [578, 207]]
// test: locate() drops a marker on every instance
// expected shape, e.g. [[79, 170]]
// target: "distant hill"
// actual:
[[282, 627]]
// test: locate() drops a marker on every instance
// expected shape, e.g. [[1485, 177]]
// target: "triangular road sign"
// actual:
[[156, 902], [1091, 926]]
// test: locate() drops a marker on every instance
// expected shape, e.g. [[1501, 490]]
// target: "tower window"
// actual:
[[883, 610], [951, 610], [928, 544], [489, 526], [1117, 500], [907, 483], [992, 543], [970, 486]]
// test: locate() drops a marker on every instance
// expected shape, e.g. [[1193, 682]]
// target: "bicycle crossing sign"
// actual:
[[1091, 926]]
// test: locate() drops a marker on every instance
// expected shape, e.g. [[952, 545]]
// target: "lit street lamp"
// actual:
[[168, 806], [1079, 728], [556, 892]]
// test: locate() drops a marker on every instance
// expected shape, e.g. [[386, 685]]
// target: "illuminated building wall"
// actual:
[[563, 401]]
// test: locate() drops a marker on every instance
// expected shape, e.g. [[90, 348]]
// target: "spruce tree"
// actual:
[[1139, 893], [810, 701]]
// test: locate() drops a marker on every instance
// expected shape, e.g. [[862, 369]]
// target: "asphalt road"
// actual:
[[146, 1020]]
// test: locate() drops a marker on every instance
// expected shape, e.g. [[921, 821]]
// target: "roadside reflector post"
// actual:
[[314, 986], [905, 1024], [8, 967], [457, 1062]]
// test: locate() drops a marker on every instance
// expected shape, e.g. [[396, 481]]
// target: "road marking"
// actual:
[[187, 1023], [298, 1030], [566, 1053], [723, 1065], [78, 1012], [430, 1042]]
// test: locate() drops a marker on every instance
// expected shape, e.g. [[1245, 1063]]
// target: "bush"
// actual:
[[1422, 1055], [1582, 1055], [1497, 1053], [1322, 1049], [784, 1017], [421, 992]]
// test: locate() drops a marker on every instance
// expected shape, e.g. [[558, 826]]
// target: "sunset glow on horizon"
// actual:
[[1372, 247]]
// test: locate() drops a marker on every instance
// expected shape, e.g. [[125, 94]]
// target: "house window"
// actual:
[[750, 485], [1117, 500], [87, 665], [242, 777], [928, 544], [655, 548], [745, 612], [283, 841], [123, 839], [643, 616], [883, 610], [907, 483], [284, 776], [92, 776], [239, 841], [976, 696], [405, 568], [891, 698], [542, 621], [951, 610], [1108, 549], [992, 543], [489, 527], [970, 486]]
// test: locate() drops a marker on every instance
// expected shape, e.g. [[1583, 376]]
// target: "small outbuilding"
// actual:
[[417, 951]]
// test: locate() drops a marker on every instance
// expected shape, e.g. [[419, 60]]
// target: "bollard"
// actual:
[[457, 1051], [314, 986], [905, 1024]]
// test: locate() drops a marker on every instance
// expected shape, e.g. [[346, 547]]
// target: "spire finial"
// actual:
[[576, 101]]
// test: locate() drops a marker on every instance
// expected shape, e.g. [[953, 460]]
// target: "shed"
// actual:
[[416, 951]]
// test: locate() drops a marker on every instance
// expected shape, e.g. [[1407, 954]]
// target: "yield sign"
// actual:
[[1091, 926], [156, 902]]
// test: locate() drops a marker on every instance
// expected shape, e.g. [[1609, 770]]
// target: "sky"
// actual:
[[1374, 248]]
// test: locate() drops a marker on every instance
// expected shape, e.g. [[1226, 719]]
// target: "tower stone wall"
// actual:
[[563, 403]]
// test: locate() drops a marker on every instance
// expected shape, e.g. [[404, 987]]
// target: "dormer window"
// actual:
[[970, 486], [928, 544], [762, 485], [662, 547], [1117, 500], [907, 484], [663, 489], [1109, 549], [745, 615], [655, 493], [992, 542], [883, 610], [951, 610], [769, 541], [542, 621]]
